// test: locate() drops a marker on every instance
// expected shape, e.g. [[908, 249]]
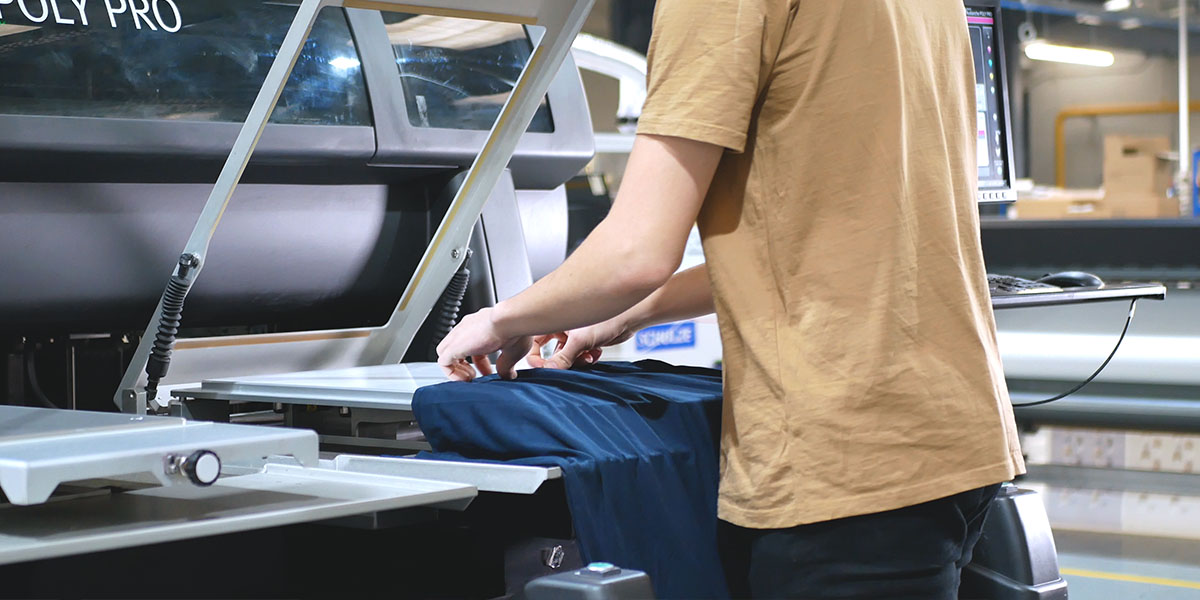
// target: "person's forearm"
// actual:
[[633, 251], [604, 271], [686, 295]]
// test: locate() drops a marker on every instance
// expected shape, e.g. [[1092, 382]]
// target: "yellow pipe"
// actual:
[[1102, 110]]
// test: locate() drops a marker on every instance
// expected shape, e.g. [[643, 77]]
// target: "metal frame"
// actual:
[[561, 20], [276, 495], [570, 142], [42, 448]]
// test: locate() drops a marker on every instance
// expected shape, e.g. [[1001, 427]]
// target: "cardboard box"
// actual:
[[1045, 203], [1139, 176], [1133, 204]]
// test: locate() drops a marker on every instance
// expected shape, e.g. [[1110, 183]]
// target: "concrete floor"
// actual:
[[1091, 577], [1125, 544]]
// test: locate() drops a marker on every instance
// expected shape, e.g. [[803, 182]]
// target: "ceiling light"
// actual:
[[1068, 54], [1117, 5], [344, 63]]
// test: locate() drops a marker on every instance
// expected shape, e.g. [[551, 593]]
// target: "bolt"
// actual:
[[553, 557], [455, 253], [188, 259]]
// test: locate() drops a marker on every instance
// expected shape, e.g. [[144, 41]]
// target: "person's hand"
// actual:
[[475, 337], [579, 346]]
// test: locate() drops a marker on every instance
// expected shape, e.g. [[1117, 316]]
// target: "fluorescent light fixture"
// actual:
[[1117, 5], [344, 63], [1068, 54]]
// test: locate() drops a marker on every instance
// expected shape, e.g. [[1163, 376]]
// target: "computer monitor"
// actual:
[[996, 170]]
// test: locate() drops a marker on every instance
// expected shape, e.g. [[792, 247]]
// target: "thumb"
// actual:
[[570, 351]]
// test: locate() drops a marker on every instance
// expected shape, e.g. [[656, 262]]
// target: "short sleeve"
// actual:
[[706, 65]]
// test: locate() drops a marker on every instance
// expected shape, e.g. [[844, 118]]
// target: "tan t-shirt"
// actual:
[[842, 237]]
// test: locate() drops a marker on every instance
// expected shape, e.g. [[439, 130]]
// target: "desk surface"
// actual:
[[1080, 295]]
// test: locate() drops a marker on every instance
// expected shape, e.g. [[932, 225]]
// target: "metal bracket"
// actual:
[[561, 21]]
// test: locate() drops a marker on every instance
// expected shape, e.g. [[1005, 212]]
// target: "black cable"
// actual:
[[1128, 320]]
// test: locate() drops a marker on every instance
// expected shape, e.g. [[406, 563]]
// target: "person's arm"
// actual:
[[685, 296], [629, 255], [632, 252]]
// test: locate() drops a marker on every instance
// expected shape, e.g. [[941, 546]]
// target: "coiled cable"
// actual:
[[168, 324], [445, 313]]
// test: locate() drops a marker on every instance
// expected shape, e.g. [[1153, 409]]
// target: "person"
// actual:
[[827, 152]]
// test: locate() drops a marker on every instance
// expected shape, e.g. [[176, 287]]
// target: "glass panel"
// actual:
[[457, 73], [207, 64]]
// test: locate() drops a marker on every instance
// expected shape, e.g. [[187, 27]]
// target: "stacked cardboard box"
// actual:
[[1139, 177], [1056, 203]]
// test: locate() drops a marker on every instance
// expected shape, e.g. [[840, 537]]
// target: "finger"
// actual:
[[534, 356], [506, 364], [484, 364], [466, 371], [459, 371], [511, 355], [445, 343], [566, 356], [592, 356]]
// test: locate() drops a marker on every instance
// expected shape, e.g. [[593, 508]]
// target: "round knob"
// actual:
[[202, 467]]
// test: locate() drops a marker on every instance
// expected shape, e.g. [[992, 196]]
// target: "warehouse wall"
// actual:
[[1145, 71], [1134, 78]]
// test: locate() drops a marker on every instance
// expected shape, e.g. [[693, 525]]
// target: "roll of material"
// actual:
[[82, 257]]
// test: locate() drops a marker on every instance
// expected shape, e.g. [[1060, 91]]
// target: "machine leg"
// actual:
[[1015, 558]]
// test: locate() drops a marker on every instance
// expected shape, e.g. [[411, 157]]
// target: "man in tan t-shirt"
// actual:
[[827, 151]]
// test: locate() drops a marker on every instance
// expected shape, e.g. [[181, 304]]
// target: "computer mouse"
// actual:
[[1070, 279]]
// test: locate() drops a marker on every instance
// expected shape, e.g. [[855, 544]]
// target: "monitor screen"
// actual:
[[991, 108]]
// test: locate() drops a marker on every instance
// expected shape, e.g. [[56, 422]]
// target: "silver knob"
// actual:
[[201, 467]]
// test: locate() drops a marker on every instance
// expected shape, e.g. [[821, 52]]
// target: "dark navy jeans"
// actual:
[[911, 553]]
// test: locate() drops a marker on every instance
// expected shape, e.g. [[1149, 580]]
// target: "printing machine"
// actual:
[[260, 463], [379, 174]]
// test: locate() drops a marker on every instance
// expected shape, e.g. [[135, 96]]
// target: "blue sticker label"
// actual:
[[667, 337]]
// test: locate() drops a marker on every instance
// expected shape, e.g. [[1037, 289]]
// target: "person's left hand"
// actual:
[[475, 336]]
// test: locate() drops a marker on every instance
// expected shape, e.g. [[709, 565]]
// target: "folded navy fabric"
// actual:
[[638, 447]]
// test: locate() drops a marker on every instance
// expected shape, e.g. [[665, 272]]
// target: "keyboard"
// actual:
[[1007, 284]]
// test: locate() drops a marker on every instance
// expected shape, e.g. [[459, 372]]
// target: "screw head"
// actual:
[[553, 557], [455, 253]]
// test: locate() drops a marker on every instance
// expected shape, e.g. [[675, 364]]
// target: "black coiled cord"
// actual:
[[445, 315], [168, 324]]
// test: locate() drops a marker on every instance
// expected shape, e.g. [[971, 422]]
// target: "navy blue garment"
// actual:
[[637, 444]]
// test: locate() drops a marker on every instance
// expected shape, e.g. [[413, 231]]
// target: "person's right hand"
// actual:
[[578, 346]]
